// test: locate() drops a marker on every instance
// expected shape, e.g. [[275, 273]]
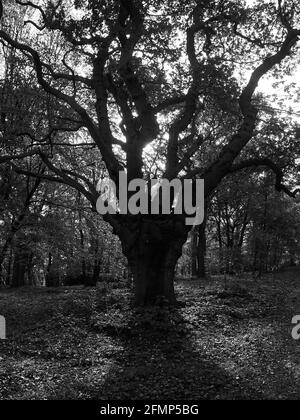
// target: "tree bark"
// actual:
[[153, 246], [9, 266], [201, 251], [195, 241], [52, 276], [19, 269], [97, 263], [48, 275]]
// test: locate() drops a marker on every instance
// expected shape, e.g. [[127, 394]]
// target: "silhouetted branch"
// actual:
[[219, 169], [268, 164]]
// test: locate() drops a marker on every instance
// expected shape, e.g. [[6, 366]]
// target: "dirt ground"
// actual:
[[228, 339]]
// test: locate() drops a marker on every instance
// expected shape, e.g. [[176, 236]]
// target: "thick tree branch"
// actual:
[[267, 65], [69, 77], [176, 100], [25, 172], [60, 179], [267, 163], [100, 137], [34, 6], [283, 16], [120, 95], [91, 186], [178, 127], [189, 154], [63, 178], [216, 172], [91, 195], [191, 99], [45, 85], [148, 124]]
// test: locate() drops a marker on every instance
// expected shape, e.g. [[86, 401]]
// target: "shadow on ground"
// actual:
[[228, 341], [159, 361]]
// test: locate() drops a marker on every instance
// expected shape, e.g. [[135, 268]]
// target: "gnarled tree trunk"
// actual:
[[153, 246]]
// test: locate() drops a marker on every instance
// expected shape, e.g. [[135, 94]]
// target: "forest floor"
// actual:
[[227, 340]]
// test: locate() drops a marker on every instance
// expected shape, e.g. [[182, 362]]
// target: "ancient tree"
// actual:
[[155, 86]]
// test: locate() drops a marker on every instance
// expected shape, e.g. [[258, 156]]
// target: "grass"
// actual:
[[228, 340]]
